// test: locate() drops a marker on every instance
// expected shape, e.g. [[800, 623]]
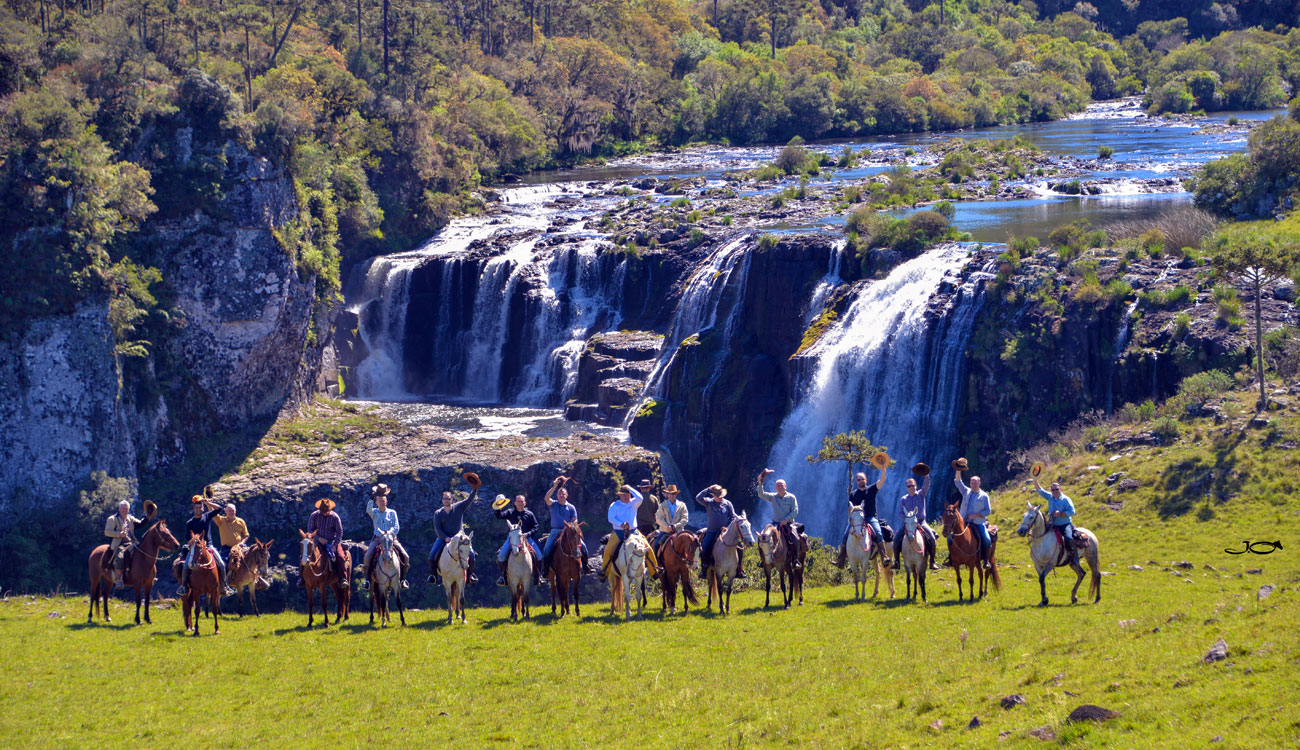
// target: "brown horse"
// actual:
[[566, 568], [317, 573], [204, 581], [247, 567], [775, 555], [966, 552], [143, 571], [678, 557]]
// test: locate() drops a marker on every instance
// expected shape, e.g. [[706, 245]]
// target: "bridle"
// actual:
[[1038, 516]]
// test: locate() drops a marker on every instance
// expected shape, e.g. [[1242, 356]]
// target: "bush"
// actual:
[[1228, 305], [1105, 152], [1201, 388], [945, 209], [792, 157], [767, 242], [1166, 428], [1138, 413], [1182, 324]]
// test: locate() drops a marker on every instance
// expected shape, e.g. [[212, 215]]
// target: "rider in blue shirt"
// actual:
[[561, 510], [1060, 513]]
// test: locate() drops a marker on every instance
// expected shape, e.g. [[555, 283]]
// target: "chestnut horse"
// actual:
[[247, 568], [678, 554], [143, 571], [966, 552], [566, 568], [204, 581], [317, 573]]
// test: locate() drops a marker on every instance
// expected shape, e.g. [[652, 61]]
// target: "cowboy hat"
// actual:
[[718, 490], [195, 500], [472, 480], [671, 490], [325, 505], [380, 489], [501, 502], [922, 469], [961, 464], [1037, 469], [880, 460], [207, 491], [150, 509]]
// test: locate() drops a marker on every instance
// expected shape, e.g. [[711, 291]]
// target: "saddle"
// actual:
[[886, 531]]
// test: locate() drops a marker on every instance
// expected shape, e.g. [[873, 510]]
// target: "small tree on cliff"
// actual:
[[851, 447], [1258, 260]]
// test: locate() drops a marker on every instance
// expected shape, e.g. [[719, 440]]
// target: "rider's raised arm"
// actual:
[[1043, 493], [703, 497], [637, 497], [612, 515], [880, 483], [961, 486], [925, 488]]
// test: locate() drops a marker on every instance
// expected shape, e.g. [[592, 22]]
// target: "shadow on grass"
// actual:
[[104, 625]]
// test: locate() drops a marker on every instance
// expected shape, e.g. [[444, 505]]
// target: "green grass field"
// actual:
[[832, 673]]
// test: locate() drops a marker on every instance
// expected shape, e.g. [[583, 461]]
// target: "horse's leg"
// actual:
[[577, 586], [105, 591], [1078, 571], [1042, 585], [767, 587], [94, 600], [216, 611], [920, 577]]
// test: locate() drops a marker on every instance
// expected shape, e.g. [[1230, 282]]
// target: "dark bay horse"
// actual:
[[966, 553], [775, 554], [566, 568], [678, 557], [317, 573], [204, 582], [143, 571]]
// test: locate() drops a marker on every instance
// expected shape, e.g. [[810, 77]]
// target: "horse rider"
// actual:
[[329, 534], [622, 516], [720, 515], [557, 501], [200, 523], [975, 510], [914, 501], [785, 507], [645, 513], [670, 517], [522, 517], [1060, 513], [448, 521], [232, 531], [120, 528], [864, 495], [385, 521]]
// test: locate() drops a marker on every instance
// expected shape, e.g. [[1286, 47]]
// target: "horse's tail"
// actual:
[[993, 572], [688, 588], [616, 585], [1094, 563]]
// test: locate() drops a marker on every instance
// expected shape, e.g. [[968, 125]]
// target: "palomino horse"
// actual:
[[775, 555], [317, 573], [966, 552], [1047, 553], [246, 570], [385, 578], [914, 555], [454, 569], [519, 573], [144, 569], [204, 582], [629, 573], [678, 555], [861, 552], [726, 561], [566, 568]]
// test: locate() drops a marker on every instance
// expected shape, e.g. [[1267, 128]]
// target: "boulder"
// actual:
[[1011, 701], [1089, 712], [1217, 652]]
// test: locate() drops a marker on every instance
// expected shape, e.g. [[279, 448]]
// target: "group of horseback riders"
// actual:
[[670, 518]]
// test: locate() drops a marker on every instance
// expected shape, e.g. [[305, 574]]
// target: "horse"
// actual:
[[566, 568], [629, 573], [773, 555], [863, 551], [678, 553], [914, 555], [142, 573], [966, 552], [1047, 553], [317, 573], [726, 562], [246, 569], [386, 577], [454, 569], [204, 582], [519, 573]]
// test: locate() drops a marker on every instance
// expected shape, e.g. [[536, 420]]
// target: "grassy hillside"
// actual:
[[832, 673]]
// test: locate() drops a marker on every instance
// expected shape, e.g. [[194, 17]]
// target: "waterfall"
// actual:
[[1121, 341], [891, 370]]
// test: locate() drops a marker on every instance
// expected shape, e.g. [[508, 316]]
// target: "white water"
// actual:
[[1121, 341], [885, 369]]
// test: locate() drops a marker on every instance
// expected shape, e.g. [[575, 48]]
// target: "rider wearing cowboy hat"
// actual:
[[975, 510], [200, 523], [670, 517], [557, 501], [522, 517], [864, 496], [120, 528], [914, 501], [385, 521], [622, 516], [720, 515], [329, 534]]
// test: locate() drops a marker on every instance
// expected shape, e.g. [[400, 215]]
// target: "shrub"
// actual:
[[945, 209], [792, 157], [1166, 428], [1164, 298], [1228, 305], [1138, 413], [767, 242], [1201, 388], [1182, 324], [1105, 152], [852, 194]]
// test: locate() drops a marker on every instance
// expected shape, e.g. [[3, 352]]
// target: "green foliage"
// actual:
[[853, 447], [1105, 152], [767, 242], [1259, 182], [1228, 305], [1166, 298], [1203, 387], [816, 329]]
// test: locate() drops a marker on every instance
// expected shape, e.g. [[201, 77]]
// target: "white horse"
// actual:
[[1046, 553], [385, 577], [629, 574], [726, 560], [861, 551], [454, 569], [914, 555], [519, 573]]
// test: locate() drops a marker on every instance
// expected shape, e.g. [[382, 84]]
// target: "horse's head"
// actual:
[[259, 557], [386, 541], [460, 546], [1032, 514], [686, 545], [166, 542], [516, 536], [856, 517], [744, 529], [767, 540], [909, 521], [308, 541], [951, 520]]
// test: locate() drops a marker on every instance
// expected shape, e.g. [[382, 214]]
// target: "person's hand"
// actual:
[[559, 480], [765, 472]]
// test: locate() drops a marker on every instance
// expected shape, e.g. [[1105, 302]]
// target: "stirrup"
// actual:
[[405, 585], [433, 578]]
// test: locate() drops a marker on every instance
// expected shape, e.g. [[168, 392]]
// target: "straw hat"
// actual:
[[325, 505], [501, 502], [380, 489], [880, 460], [921, 469], [472, 480], [961, 464], [1038, 469], [718, 491]]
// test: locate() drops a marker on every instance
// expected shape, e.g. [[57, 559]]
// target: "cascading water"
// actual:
[[1121, 341], [888, 369]]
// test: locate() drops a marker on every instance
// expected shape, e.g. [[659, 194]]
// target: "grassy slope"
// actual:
[[832, 673]]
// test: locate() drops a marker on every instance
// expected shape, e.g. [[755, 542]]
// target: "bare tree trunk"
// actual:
[[287, 27], [1259, 341], [359, 43], [248, 68], [385, 21]]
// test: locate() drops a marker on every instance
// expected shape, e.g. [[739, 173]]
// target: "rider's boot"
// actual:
[[185, 578], [433, 578], [842, 558], [470, 570], [1072, 554], [930, 545], [740, 564], [365, 573], [501, 579], [404, 568]]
